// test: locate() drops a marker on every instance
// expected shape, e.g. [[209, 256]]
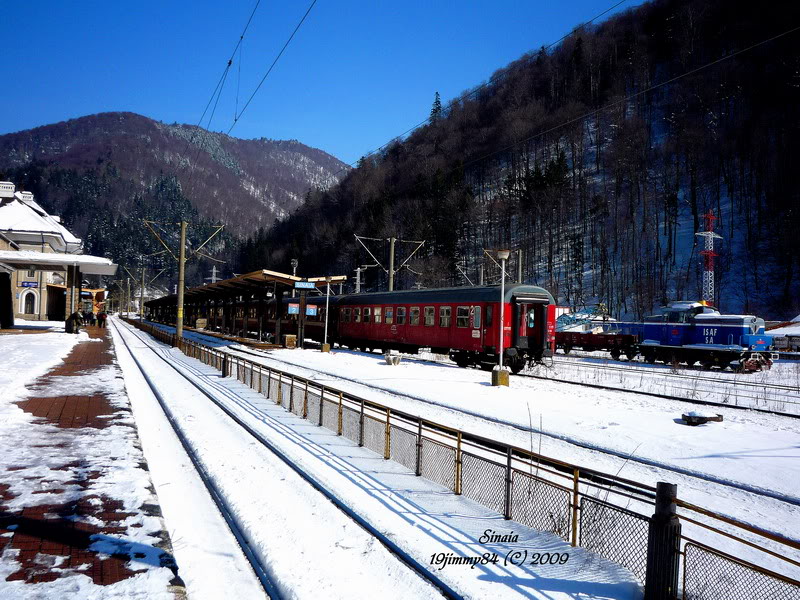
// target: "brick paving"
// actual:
[[53, 540]]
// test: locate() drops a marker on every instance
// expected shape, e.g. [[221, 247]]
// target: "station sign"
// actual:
[[30, 284], [311, 310], [304, 285], [294, 309]]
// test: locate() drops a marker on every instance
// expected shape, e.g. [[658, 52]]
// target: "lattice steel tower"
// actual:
[[709, 255]]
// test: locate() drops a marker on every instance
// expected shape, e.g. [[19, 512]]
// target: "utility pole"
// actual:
[[519, 265], [392, 240], [128, 302], [181, 281], [141, 299], [358, 280]]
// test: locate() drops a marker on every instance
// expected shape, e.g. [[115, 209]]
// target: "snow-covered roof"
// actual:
[[90, 265], [21, 215]]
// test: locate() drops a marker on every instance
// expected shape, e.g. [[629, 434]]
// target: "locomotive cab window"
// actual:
[[377, 314], [356, 315], [462, 316], [389, 315], [367, 313], [414, 316], [401, 315], [444, 316], [429, 316]]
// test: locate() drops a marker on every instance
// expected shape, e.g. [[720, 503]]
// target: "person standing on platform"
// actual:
[[101, 319]]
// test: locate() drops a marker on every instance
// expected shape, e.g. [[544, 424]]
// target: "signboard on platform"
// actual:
[[311, 310], [31, 284], [304, 285], [294, 309]]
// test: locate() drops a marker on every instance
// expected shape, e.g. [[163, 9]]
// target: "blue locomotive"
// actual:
[[692, 332]]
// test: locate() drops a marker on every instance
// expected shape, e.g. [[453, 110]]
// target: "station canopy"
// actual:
[[29, 260], [244, 284]]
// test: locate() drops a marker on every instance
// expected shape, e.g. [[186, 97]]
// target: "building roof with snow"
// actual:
[[24, 221]]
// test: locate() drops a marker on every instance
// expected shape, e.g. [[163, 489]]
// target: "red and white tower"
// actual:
[[709, 255]]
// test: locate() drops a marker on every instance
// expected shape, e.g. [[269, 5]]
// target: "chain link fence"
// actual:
[[615, 533], [712, 575]]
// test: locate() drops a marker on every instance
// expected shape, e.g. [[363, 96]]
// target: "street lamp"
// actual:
[[294, 264], [325, 345], [500, 376]]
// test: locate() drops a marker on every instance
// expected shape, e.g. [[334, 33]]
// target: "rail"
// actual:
[[606, 514]]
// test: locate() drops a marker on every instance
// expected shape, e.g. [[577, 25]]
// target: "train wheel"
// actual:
[[462, 360], [707, 364], [630, 354], [567, 348], [650, 357], [615, 353], [516, 364]]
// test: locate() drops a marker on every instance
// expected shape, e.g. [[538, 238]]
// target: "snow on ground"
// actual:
[[212, 565], [313, 549], [788, 330], [26, 357], [746, 467], [43, 458]]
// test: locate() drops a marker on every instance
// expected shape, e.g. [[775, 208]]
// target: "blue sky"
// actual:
[[356, 74]]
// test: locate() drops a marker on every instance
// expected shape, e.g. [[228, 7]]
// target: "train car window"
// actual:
[[476, 317], [444, 316], [489, 316], [377, 314], [462, 316], [429, 316], [401, 315], [346, 315], [530, 318], [389, 315], [356, 315], [367, 313], [414, 315]]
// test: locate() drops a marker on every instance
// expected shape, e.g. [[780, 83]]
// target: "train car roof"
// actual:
[[485, 293]]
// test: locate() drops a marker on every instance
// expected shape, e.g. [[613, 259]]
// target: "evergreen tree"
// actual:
[[436, 109]]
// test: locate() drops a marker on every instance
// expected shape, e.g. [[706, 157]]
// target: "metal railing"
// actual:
[[606, 514]]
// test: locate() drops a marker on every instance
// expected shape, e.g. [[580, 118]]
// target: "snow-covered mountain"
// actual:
[[103, 161]]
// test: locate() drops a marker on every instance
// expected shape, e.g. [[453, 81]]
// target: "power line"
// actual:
[[274, 62], [224, 75], [481, 86]]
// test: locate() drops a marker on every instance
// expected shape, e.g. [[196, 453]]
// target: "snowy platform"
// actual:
[[77, 514]]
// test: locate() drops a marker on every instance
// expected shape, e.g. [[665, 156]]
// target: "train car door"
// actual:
[[530, 325]]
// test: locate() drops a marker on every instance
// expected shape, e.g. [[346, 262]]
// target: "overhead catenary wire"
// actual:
[[272, 66], [217, 89]]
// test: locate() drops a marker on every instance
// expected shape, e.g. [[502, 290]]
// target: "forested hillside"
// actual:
[[104, 173], [597, 158]]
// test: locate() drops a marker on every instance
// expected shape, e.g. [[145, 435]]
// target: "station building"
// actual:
[[41, 264]]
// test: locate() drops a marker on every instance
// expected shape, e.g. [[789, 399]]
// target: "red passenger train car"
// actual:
[[462, 322]]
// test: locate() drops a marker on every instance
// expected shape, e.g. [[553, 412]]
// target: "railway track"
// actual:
[[628, 457], [693, 373], [186, 372], [732, 392]]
